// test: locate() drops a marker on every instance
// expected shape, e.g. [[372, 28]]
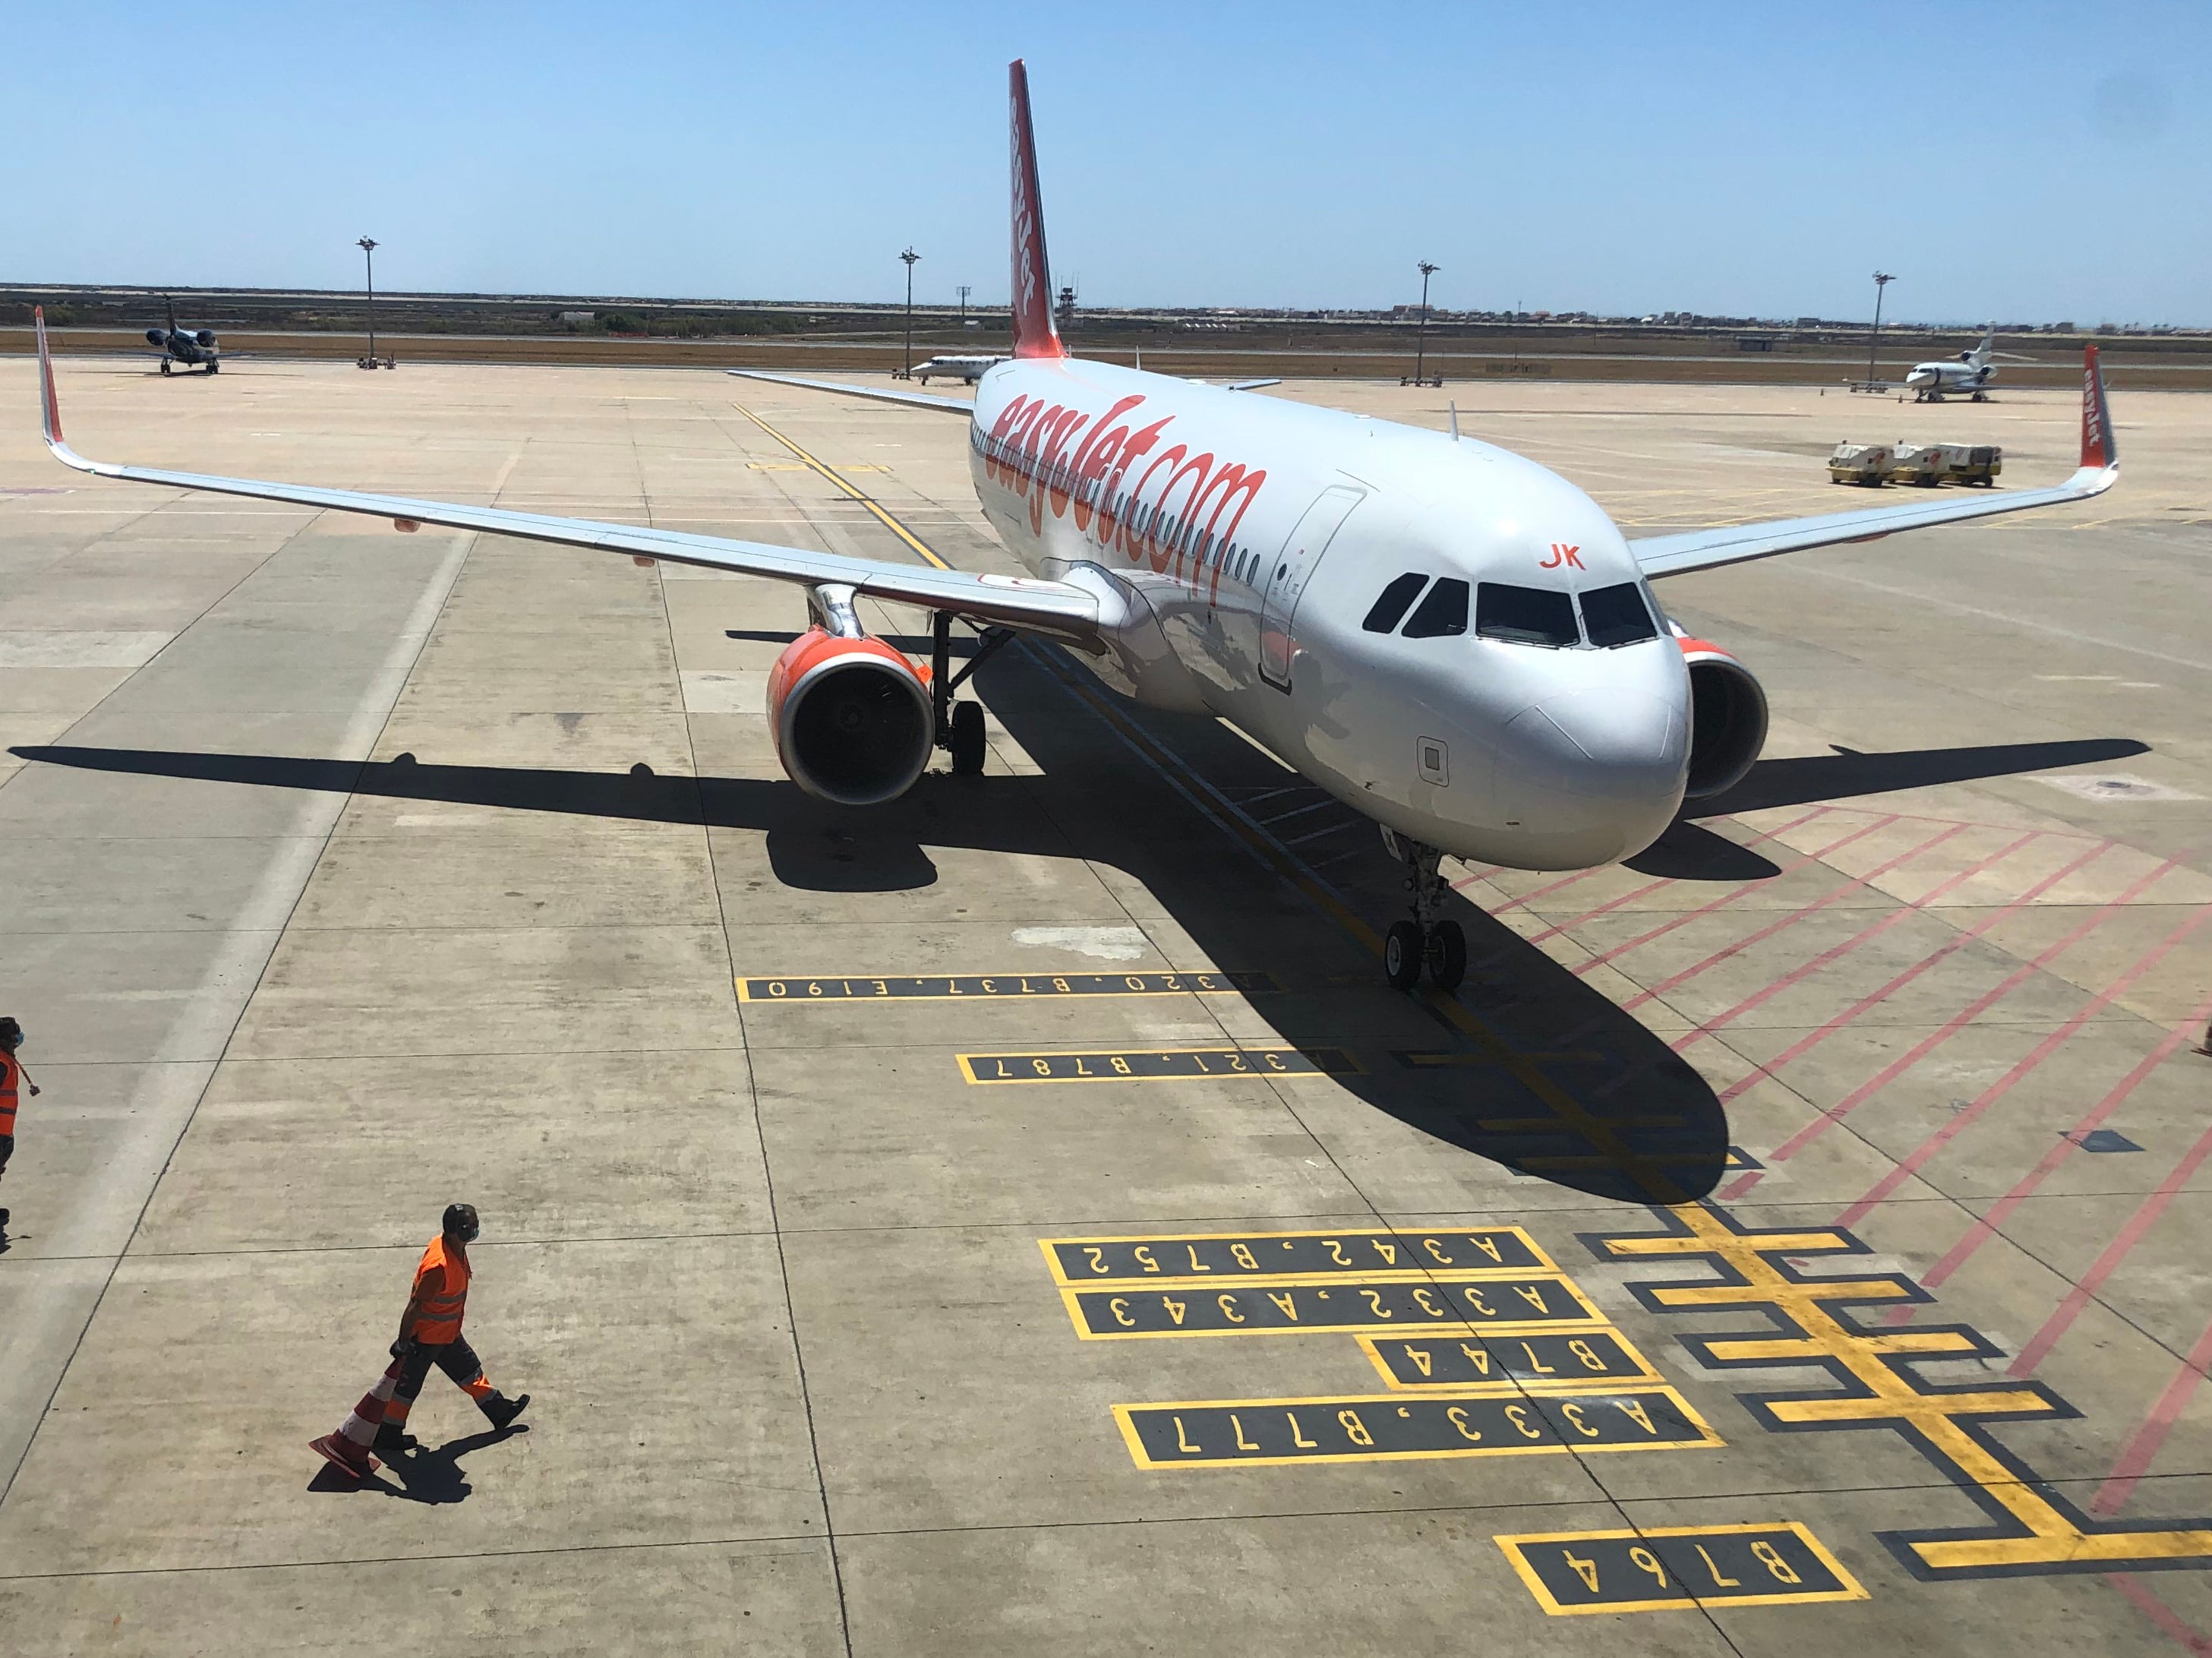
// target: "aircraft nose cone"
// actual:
[[1594, 774]]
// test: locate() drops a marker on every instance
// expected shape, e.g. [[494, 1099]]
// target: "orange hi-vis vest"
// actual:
[[442, 1292], [11, 1078]]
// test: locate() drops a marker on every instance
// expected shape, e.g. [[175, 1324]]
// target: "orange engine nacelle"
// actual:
[[1728, 718], [852, 718]]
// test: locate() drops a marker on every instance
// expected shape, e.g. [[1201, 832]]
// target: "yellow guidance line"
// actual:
[[833, 476]]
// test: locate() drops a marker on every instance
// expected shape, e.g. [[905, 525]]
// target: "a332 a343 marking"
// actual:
[[1522, 1303]]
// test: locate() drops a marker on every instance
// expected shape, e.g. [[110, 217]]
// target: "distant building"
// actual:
[[578, 319]]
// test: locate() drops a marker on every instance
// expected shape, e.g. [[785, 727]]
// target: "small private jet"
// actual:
[[194, 348]]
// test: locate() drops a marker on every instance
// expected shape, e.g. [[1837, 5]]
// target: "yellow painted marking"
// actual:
[[1456, 1307], [1401, 1428], [2049, 1537], [1563, 1361], [984, 987], [1154, 1064], [1151, 1259], [1678, 1569], [833, 476]]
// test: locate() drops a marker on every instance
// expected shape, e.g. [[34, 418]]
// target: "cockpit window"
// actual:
[[1617, 616], [1393, 603], [1523, 616], [1444, 612]]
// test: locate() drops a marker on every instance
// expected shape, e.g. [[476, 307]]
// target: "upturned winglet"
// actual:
[[2100, 448], [50, 407]]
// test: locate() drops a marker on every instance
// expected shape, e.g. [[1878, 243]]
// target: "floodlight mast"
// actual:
[[1882, 280], [368, 245], [910, 257], [1421, 327]]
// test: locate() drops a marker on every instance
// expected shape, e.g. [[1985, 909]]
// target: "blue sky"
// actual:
[[2029, 162]]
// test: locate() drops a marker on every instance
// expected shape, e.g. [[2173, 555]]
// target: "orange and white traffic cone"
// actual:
[[347, 1450]]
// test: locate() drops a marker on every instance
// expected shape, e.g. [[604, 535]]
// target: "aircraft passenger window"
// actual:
[[1524, 616], [1396, 598], [1443, 611], [1617, 616]]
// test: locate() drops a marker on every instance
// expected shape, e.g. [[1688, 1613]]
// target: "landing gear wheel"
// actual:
[[1402, 955], [1446, 955], [164, 365], [966, 738], [212, 366]]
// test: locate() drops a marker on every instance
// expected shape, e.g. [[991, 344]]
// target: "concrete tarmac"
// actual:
[[908, 1221]]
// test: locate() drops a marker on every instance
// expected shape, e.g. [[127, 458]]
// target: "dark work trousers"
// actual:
[[456, 1358]]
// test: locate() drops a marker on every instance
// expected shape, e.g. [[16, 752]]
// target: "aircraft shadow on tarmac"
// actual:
[[1552, 1081], [422, 1475]]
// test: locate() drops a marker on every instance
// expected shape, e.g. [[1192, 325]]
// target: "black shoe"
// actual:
[[392, 1438], [499, 1409], [3, 1220]]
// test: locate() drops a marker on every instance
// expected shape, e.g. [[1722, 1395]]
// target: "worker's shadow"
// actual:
[[422, 1475]]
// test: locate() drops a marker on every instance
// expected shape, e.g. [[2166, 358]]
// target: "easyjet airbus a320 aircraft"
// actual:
[[1449, 638]]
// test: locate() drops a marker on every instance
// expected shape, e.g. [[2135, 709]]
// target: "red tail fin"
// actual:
[[2099, 447], [1033, 334]]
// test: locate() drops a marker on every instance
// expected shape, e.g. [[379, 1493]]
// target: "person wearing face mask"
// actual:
[[430, 1334], [12, 1082]]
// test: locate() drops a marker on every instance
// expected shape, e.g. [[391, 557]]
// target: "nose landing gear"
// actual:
[[1429, 943]]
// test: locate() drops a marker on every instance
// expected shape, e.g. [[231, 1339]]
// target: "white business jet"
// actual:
[[1968, 375], [1449, 638]]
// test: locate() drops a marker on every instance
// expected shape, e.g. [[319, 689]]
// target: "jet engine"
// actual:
[[155, 337], [852, 718], [1727, 719], [206, 336]]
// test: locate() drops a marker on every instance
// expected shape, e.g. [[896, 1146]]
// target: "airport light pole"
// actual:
[[910, 257], [1421, 327], [368, 245], [966, 288], [1882, 280]]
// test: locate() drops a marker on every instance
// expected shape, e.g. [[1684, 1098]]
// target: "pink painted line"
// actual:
[[1834, 895], [1865, 934], [1653, 887], [1988, 1225], [1629, 897], [2142, 1450], [1927, 1045], [1929, 1148], [2159, 1612], [2115, 1251], [1805, 1043], [1733, 894]]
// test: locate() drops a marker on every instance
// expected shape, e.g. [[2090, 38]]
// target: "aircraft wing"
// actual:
[[882, 394], [1062, 609], [2099, 469]]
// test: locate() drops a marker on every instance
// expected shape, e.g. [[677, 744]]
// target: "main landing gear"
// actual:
[[959, 725], [1429, 942]]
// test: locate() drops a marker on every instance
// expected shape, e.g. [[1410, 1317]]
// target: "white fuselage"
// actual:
[[1253, 536], [1969, 373], [968, 369]]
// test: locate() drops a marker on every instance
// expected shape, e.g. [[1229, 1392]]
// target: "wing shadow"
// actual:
[[1553, 1082]]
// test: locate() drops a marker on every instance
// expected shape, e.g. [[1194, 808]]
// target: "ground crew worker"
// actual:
[[12, 1079], [430, 1334]]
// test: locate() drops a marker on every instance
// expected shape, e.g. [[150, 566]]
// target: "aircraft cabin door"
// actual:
[[1294, 566]]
